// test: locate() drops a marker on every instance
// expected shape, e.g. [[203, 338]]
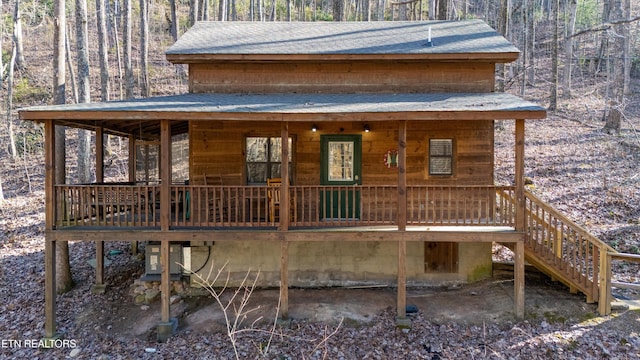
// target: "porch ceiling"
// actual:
[[140, 117]]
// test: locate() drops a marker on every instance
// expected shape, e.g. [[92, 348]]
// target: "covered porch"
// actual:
[[398, 212]]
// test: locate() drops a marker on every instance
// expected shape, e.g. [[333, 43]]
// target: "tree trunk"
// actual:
[[627, 53], [553, 99], [126, 44], [116, 41], [338, 10], [12, 140], [568, 50], [604, 37], [144, 48], [442, 9], [531, 39], [205, 10], [84, 89], [72, 72], [617, 52], [102, 49], [174, 20], [234, 10], [64, 281], [17, 35], [524, 38], [614, 121], [503, 27], [193, 11]]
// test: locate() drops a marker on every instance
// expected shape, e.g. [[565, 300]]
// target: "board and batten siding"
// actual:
[[341, 77]]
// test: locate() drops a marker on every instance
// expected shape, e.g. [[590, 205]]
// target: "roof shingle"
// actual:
[[340, 38]]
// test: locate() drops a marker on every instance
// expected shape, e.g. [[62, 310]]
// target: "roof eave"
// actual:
[[499, 57]]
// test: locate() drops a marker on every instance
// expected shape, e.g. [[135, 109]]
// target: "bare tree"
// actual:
[[193, 11], [627, 53], [174, 20], [126, 44], [442, 9], [503, 26], [530, 71], [616, 79], [144, 48], [101, 18], [17, 35], [114, 25], [84, 88], [553, 98], [12, 63], [568, 49], [72, 71], [64, 281], [338, 10]]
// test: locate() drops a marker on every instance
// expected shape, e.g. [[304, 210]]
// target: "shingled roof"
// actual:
[[142, 115], [337, 40]]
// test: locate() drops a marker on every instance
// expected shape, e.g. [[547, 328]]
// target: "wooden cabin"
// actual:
[[387, 129]]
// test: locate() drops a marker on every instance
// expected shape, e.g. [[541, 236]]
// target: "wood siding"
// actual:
[[347, 77], [217, 148]]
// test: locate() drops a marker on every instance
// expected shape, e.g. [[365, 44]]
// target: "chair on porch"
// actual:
[[273, 195], [217, 199]]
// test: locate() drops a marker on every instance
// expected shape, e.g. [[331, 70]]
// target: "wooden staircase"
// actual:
[[567, 252]]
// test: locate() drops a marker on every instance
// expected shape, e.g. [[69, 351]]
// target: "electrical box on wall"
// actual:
[[153, 262]]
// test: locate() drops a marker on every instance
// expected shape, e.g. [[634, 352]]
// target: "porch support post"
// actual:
[[518, 290], [132, 179], [99, 286], [50, 244], [165, 174], [519, 180], [284, 174], [167, 326], [100, 154], [401, 319], [284, 222]]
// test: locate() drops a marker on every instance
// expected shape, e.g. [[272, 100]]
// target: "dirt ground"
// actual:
[[488, 301]]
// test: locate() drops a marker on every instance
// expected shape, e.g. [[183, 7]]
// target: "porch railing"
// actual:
[[310, 206], [107, 205], [566, 250]]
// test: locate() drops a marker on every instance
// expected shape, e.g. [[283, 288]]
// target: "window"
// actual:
[[440, 156], [263, 158]]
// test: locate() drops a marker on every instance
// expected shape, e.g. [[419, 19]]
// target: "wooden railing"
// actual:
[[310, 206], [604, 307], [567, 250], [106, 205], [460, 205]]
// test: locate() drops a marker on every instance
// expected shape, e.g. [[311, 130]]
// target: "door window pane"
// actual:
[[340, 160]]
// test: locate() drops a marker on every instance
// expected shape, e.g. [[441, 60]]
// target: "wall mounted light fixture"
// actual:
[[314, 127], [367, 128]]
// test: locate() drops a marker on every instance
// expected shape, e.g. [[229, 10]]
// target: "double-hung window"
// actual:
[[440, 156], [264, 158]]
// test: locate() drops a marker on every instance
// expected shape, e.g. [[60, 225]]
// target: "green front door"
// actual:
[[340, 165]]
